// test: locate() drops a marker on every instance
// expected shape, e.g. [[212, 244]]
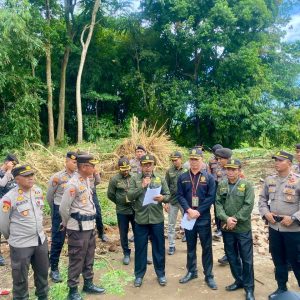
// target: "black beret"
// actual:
[[23, 170], [12, 157], [124, 164], [72, 155], [282, 155], [216, 147], [297, 146], [140, 147], [87, 159], [224, 153]]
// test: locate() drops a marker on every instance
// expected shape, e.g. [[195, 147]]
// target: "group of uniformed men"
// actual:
[[191, 187]]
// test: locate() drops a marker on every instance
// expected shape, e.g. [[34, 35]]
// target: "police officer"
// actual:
[[173, 206], [135, 163], [296, 167], [56, 187], [78, 211], [149, 220], [117, 192], [196, 193], [279, 204], [21, 222], [234, 204], [222, 155], [6, 183]]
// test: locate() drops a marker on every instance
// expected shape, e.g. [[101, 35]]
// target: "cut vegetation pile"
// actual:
[[46, 162]]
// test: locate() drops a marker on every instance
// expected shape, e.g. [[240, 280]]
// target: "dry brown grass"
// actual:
[[157, 142]]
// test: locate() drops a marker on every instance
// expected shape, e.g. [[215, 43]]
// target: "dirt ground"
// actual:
[[175, 268]]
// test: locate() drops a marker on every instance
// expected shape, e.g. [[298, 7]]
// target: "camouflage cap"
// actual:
[[282, 155], [233, 164], [148, 158], [196, 153], [224, 153], [124, 164], [176, 154], [23, 170]]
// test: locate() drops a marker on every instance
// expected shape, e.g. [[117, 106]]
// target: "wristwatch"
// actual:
[[294, 218]]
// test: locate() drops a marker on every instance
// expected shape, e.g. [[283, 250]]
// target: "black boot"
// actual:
[[90, 288], [73, 294], [249, 295], [55, 276]]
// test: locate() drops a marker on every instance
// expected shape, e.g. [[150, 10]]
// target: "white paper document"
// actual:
[[186, 223], [150, 194]]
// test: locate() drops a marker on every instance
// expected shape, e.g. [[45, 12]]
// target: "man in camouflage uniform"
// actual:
[[78, 212], [173, 206], [6, 184], [296, 167], [279, 204], [234, 204], [56, 187], [21, 222], [135, 163], [149, 220], [117, 192]]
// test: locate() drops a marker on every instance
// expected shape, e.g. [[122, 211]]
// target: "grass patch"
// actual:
[[60, 290], [115, 281]]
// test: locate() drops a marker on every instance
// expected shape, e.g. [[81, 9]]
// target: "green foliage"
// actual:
[[107, 208], [114, 281], [60, 290]]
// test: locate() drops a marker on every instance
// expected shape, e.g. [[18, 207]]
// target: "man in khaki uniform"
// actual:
[[149, 220], [117, 192], [78, 212], [56, 187], [6, 183], [21, 222], [173, 206], [279, 204]]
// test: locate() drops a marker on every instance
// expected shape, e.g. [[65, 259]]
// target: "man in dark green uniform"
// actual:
[[117, 193], [234, 204], [149, 220], [173, 207]]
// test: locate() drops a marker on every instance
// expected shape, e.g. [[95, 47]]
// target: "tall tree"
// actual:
[[85, 45]]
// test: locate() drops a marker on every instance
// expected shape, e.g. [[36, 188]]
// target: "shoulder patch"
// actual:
[[6, 205]]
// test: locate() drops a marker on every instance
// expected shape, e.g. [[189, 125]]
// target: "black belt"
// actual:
[[79, 218]]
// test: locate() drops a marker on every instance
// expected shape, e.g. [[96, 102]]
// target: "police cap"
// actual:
[[148, 158], [23, 170], [176, 154], [87, 159], [282, 155], [233, 164], [196, 153], [12, 157], [72, 155]]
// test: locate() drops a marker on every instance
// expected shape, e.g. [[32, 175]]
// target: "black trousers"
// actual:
[[123, 223], [239, 250], [204, 233], [141, 234], [217, 220], [99, 222], [58, 238], [81, 249], [21, 259], [284, 248]]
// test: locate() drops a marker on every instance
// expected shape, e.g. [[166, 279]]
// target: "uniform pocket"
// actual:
[[24, 209], [289, 195], [74, 246]]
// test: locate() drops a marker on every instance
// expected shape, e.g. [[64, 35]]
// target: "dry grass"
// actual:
[[46, 162]]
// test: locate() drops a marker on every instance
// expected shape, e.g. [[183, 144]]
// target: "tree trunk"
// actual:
[[85, 46], [49, 82], [62, 96]]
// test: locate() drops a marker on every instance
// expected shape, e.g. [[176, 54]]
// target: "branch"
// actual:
[[82, 35]]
